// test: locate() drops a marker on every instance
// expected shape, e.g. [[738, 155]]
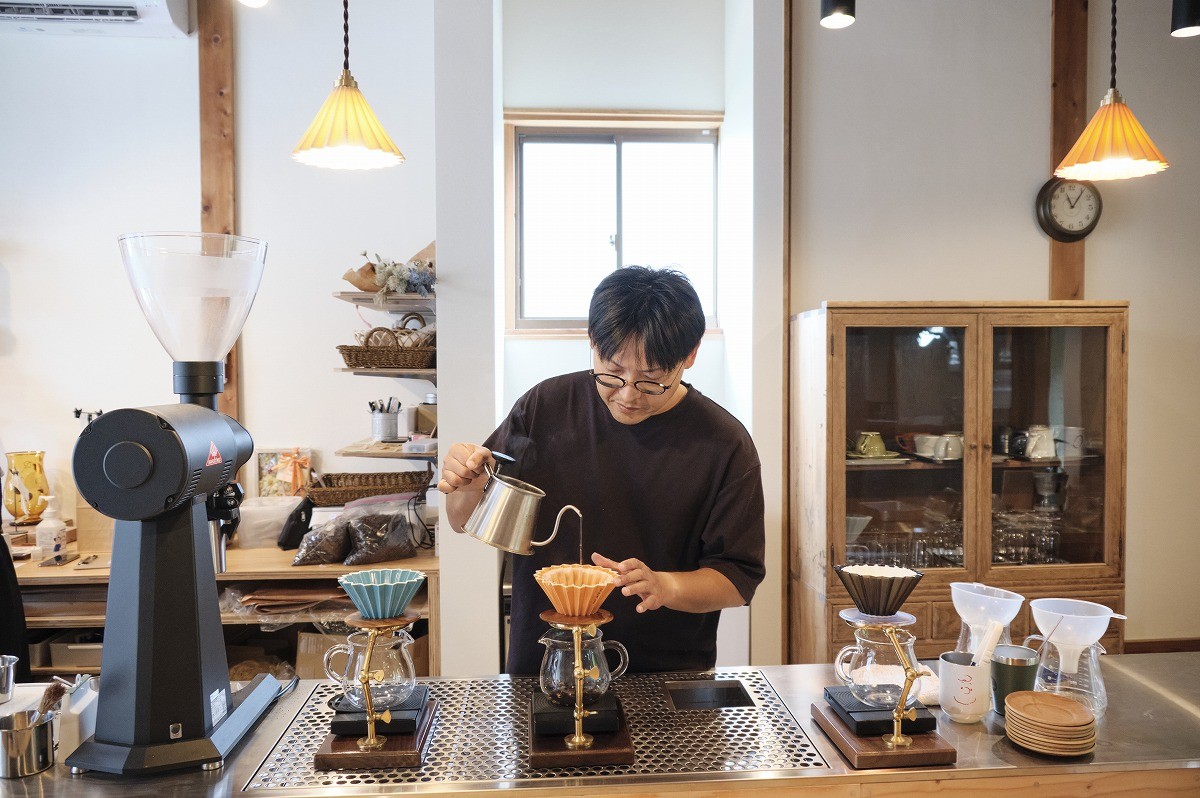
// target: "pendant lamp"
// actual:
[[1113, 146], [345, 133], [1185, 18], [837, 13]]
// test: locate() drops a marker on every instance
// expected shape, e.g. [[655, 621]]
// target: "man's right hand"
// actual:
[[463, 468]]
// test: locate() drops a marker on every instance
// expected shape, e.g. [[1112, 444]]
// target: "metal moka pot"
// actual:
[[507, 513]]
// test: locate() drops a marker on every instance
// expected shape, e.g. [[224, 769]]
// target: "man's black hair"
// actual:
[[657, 307]]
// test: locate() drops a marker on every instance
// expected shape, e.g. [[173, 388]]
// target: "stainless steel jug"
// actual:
[[506, 514]]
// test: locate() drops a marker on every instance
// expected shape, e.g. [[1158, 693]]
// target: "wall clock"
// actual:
[[1068, 209]]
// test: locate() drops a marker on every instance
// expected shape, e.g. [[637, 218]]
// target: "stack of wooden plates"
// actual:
[[1049, 724]]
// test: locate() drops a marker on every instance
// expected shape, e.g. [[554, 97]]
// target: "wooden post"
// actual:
[[1068, 101], [214, 22]]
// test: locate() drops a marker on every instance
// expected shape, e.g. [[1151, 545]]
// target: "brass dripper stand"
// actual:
[[889, 626], [577, 625], [375, 627]]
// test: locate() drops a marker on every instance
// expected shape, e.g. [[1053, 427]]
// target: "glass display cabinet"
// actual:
[[973, 442]]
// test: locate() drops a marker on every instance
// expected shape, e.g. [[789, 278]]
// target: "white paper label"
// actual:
[[217, 701]]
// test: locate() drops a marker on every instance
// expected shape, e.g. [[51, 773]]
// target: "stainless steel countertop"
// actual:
[[1152, 724]]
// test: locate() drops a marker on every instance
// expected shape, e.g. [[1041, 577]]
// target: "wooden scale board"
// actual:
[[608, 748], [872, 752], [399, 750]]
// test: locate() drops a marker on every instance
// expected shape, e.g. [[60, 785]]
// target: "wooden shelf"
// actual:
[[392, 303], [412, 374], [50, 670], [243, 564], [390, 451], [997, 462], [54, 615]]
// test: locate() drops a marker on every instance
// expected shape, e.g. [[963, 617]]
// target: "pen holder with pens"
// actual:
[[394, 426]]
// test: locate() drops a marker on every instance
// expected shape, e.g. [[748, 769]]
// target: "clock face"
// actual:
[[1068, 209]]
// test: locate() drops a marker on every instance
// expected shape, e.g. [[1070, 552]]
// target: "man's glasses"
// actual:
[[649, 387]]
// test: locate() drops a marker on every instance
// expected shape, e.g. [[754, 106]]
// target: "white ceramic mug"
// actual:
[[948, 446], [925, 443], [1069, 441], [1041, 443], [964, 690]]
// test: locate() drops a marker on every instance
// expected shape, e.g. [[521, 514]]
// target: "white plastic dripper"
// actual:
[[978, 605], [1071, 625]]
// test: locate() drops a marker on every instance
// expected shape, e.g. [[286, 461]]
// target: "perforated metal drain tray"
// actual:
[[680, 726]]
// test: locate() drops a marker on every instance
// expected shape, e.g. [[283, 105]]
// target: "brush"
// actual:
[[50, 699]]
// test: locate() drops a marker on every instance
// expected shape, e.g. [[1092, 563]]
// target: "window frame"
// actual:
[[618, 129]]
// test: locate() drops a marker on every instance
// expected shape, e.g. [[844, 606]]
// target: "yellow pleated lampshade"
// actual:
[[345, 133], [1113, 146]]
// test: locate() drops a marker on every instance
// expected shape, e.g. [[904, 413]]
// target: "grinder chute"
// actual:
[[166, 474]]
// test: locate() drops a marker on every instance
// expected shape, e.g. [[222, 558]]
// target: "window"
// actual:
[[588, 202]]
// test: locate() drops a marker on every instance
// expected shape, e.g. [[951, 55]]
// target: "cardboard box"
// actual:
[[94, 529], [76, 648], [427, 419], [311, 648], [310, 653]]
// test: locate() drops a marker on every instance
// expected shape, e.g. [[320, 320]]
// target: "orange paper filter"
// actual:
[[576, 590]]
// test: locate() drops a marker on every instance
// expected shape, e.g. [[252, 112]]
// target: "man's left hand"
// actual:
[[655, 588]]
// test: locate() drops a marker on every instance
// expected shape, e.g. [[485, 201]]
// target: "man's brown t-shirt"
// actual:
[[679, 491]]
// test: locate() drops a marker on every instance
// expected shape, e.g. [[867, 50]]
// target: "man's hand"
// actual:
[[702, 590], [463, 467], [634, 577]]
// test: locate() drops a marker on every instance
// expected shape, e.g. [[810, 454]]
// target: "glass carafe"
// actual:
[[1079, 680], [872, 669], [557, 678], [390, 659]]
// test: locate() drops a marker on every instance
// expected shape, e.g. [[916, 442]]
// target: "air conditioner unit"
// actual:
[[146, 18]]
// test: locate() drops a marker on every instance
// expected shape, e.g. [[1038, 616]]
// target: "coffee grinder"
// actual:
[[166, 475]]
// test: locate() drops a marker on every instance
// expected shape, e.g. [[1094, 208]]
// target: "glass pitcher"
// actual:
[[875, 674], [390, 656], [557, 678]]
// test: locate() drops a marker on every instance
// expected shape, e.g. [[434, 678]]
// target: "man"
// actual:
[[668, 482]]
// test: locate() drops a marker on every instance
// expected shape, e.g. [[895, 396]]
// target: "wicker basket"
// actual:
[[334, 489], [382, 350]]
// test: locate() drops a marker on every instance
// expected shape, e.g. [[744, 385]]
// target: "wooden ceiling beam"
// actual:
[[218, 209], [1068, 115]]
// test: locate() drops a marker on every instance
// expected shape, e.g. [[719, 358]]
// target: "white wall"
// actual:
[[101, 137], [469, 205], [920, 136], [615, 55]]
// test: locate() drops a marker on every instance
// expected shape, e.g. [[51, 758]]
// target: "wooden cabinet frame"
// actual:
[[817, 478]]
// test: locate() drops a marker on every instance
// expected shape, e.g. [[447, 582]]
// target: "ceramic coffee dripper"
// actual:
[[506, 515], [390, 660]]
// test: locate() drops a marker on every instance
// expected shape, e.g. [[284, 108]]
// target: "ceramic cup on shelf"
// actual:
[[870, 444], [925, 443], [948, 446]]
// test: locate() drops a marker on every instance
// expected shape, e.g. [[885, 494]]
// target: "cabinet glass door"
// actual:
[[905, 413], [1049, 397]]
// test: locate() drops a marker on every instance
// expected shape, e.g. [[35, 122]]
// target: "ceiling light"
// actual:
[[345, 133], [1113, 146], [837, 13], [1185, 18]]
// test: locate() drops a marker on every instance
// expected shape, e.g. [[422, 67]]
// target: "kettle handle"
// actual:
[[557, 520]]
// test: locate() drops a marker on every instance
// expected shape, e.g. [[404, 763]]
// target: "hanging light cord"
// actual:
[[1112, 81], [346, 36]]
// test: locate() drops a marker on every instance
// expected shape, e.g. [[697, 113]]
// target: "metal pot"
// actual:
[[26, 746], [506, 514]]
